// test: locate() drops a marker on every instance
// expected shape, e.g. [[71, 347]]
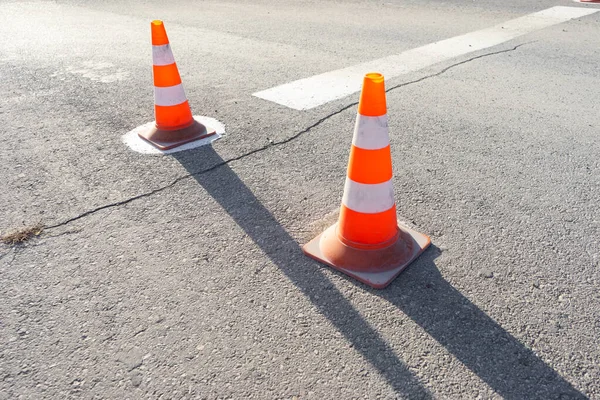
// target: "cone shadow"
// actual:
[[483, 346], [260, 225]]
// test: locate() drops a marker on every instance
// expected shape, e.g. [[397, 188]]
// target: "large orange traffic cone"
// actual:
[[175, 124], [367, 242]]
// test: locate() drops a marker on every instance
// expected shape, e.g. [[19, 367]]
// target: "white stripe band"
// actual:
[[371, 133], [368, 199], [169, 96], [162, 55]]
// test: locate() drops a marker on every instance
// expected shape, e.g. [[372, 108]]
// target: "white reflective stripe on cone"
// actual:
[[162, 55], [169, 96], [368, 198], [371, 133]]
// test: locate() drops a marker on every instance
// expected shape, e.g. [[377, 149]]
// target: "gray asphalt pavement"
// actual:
[[182, 276]]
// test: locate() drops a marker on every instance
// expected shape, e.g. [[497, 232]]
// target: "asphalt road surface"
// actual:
[[181, 276]]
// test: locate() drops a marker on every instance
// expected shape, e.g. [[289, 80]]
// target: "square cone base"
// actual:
[[169, 139], [376, 268]]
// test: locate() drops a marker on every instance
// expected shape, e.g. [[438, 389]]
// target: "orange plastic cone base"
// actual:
[[165, 139], [376, 268]]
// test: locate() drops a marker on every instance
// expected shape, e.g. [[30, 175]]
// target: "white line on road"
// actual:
[[320, 89]]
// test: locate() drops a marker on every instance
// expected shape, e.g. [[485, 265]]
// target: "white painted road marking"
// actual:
[[320, 89]]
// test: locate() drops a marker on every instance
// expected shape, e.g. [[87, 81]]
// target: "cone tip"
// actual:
[[372, 97], [374, 77], [159, 34]]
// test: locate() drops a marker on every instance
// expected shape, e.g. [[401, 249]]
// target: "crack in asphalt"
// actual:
[[274, 144], [72, 231], [5, 254], [12, 252], [468, 60]]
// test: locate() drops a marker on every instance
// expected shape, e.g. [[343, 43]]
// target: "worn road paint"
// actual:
[[320, 89]]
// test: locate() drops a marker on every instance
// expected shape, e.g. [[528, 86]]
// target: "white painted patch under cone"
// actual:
[[137, 144]]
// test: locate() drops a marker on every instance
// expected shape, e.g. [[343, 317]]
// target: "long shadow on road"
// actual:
[[483, 346]]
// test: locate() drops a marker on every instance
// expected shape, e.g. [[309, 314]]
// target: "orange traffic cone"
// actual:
[[367, 242], [174, 122]]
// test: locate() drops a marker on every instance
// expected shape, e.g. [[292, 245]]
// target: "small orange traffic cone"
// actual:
[[367, 242], [175, 124]]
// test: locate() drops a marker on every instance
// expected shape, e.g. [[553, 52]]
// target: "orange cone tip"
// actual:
[[159, 34], [372, 101]]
